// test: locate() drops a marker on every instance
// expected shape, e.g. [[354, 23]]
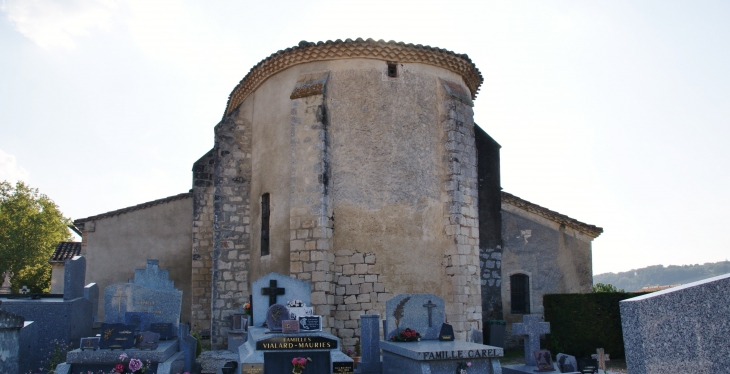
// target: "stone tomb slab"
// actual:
[[290, 289], [162, 305], [433, 356], [263, 346], [165, 359], [421, 312]]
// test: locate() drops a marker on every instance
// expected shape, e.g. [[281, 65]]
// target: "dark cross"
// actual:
[[272, 291], [430, 306]]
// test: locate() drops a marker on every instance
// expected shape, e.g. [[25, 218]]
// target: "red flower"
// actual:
[[119, 368]]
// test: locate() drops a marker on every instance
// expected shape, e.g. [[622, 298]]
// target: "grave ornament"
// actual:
[[276, 314], [5, 289], [566, 363], [543, 360]]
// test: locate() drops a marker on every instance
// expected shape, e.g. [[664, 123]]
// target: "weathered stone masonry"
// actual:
[[231, 245], [311, 219], [461, 261], [203, 195]]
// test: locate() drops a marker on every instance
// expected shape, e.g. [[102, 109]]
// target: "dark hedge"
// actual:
[[580, 323]]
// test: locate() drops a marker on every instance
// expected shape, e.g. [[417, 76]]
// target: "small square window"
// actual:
[[392, 70]]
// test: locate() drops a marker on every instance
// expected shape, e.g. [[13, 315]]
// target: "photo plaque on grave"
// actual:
[[543, 360], [290, 326], [89, 343], [310, 323], [240, 322], [116, 336]]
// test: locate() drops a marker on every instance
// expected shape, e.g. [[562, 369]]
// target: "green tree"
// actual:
[[600, 287], [30, 228]]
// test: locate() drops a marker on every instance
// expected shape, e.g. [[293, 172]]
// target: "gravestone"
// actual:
[[91, 293], [425, 314], [285, 288], [188, 346], [532, 328], [370, 344], [268, 351], [683, 329], [421, 312], [74, 276], [150, 292], [10, 325]]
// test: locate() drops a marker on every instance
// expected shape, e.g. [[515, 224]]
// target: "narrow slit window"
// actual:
[[392, 70], [265, 214], [520, 293]]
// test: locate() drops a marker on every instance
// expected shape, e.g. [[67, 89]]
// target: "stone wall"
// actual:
[[490, 224], [310, 243], [203, 212], [358, 291], [462, 286], [231, 240]]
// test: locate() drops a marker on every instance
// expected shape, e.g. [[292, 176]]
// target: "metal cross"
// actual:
[[430, 306], [272, 291]]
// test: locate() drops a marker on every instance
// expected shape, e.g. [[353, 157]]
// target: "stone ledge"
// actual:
[[441, 350]]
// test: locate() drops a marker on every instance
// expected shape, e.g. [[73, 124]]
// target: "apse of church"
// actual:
[[352, 165]]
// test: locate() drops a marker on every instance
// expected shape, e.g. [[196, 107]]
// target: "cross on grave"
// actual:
[[430, 306], [601, 358], [120, 294], [24, 290], [272, 291], [532, 328]]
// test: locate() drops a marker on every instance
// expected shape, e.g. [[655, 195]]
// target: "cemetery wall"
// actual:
[[556, 256], [118, 242]]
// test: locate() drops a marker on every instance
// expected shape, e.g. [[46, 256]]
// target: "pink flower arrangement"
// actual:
[[299, 364], [135, 364]]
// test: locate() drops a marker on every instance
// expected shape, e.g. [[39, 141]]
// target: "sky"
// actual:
[[614, 113]]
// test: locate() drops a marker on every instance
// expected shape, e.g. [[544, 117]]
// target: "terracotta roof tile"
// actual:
[[349, 49], [65, 251], [133, 208], [591, 230]]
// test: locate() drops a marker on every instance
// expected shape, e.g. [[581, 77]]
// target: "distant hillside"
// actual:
[[658, 275]]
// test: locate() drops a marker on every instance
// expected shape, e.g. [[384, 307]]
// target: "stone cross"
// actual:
[[601, 358], [24, 290], [532, 328], [430, 306], [272, 291]]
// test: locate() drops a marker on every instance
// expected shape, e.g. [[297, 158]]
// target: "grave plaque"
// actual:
[[566, 363], [290, 326], [447, 333], [89, 343], [164, 329], [240, 322], [310, 323], [252, 368], [421, 312], [343, 367], [300, 343], [543, 360], [147, 340], [116, 336], [275, 316]]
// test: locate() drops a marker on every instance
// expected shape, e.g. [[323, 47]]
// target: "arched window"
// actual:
[[520, 293]]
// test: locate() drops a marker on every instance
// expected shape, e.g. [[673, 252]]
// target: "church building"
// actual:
[[355, 165]]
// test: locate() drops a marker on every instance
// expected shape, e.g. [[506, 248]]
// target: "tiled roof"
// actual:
[[65, 251], [369, 49], [585, 228], [133, 208]]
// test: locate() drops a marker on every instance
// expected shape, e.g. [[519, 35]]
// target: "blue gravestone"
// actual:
[[74, 275], [150, 293], [287, 288], [421, 312]]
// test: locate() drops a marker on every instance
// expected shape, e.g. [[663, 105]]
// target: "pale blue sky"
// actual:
[[611, 112]]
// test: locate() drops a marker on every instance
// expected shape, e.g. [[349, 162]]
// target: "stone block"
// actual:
[[680, 329]]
